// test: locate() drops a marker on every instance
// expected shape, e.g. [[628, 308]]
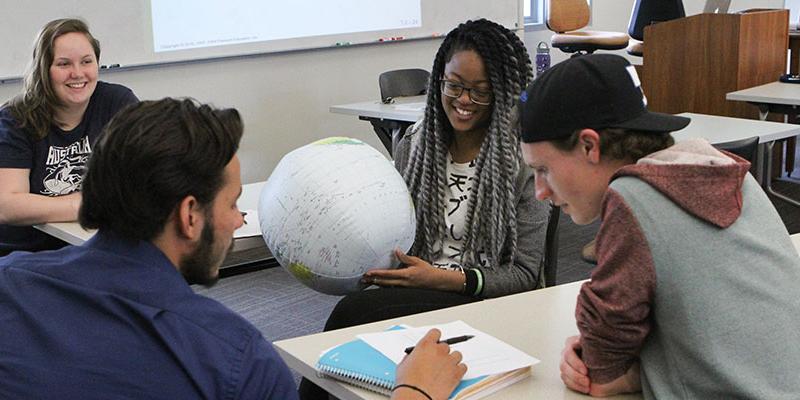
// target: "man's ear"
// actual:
[[190, 218], [589, 144]]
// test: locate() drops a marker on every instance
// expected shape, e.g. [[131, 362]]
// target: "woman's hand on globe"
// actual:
[[416, 273]]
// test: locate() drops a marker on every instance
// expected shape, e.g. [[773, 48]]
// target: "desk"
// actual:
[[388, 120], [72, 233], [771, 97], [715, 129], [536, 322], [539, 324], [406, 109], [775, 97], [718, 129]]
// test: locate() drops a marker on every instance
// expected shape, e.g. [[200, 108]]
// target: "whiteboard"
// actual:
[[124, 29]]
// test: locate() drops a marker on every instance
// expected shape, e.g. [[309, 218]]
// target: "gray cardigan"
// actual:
[[532, 216]]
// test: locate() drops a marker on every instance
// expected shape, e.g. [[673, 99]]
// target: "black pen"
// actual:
[[452, 340]]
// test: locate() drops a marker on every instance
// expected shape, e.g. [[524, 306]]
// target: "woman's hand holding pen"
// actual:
[[416, 273]]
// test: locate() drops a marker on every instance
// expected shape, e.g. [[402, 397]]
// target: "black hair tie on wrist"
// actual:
[[412, 388], [470, 281]]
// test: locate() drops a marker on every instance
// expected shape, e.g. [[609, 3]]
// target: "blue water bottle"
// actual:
[[542, 58]]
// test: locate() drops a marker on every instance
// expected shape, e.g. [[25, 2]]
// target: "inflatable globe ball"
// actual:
[[334, 209]]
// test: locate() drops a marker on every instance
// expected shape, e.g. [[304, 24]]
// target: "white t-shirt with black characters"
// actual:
[[457, 193]]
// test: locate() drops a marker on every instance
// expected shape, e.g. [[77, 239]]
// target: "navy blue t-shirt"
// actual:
[[57, 162]]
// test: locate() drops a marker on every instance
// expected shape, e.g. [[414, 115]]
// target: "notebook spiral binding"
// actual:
[[378, 385]]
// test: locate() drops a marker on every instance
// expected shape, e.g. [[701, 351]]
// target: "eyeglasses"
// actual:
[[478, 96]]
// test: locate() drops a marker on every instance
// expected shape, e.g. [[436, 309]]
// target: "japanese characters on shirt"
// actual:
[[459, 188]]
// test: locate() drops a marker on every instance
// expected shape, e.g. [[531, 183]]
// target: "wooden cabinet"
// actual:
[[690, 63]]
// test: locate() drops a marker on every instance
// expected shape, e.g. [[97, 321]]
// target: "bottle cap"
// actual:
[[542, 48]]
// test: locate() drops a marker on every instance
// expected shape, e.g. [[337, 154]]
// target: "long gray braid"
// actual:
[[491, 213]]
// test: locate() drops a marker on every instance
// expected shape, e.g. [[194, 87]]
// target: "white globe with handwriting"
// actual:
[[334, 209]]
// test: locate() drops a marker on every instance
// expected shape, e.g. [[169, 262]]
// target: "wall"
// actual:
[[127, 27], [284, 98]]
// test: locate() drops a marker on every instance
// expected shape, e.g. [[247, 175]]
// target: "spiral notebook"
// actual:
[[359, 364]]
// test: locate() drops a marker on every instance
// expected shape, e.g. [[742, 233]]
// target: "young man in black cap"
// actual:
[[695, 291]]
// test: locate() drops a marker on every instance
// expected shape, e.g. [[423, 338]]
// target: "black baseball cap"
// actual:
[[594, 91]]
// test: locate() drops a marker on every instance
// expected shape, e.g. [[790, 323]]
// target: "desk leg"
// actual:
[[794, 47], [382, 130], [768, 178], [762, 165], [791, 114], [791, 146], [388, 130]]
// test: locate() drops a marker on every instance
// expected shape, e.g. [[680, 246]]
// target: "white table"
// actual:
[[772, 94], [776, 97], [72, 233], [406, 109], [388, 120], [713, 128], [717, 129], [536, 322]]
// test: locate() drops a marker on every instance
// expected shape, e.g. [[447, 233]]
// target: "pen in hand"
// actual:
[[452, 340]]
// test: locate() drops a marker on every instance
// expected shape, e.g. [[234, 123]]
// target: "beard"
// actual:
[[198, 267]]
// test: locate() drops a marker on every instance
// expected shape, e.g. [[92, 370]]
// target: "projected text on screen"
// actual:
[[188, 24]]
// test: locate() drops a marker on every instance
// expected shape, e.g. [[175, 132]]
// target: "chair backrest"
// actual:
[[566, 15], [549, 267], [648, 12], [745, 148], [403, 82]]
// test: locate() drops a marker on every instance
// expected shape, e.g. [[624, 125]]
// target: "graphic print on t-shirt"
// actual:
[[459, 188], [65, 167]]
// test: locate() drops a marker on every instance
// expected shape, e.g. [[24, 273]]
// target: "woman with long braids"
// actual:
[[480, 231]]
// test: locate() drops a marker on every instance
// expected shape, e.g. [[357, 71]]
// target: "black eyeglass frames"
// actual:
[[454, 89]]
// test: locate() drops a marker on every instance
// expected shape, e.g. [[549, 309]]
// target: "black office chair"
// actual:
[[403, 82], [745, 148], [394, 84], [548, 270], [648, 12]]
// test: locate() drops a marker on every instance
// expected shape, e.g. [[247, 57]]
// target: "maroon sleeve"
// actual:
[[613, 310]]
